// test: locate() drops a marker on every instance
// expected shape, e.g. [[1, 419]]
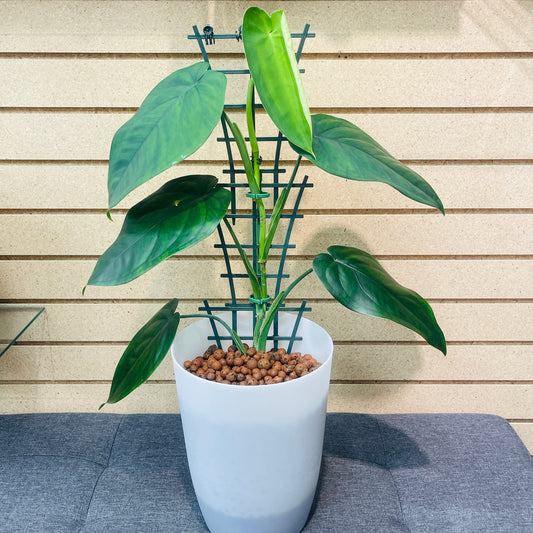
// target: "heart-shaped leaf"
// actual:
[[272, 62], [359, 282], [344, 150], [174, 120], [178, 215], [145, 352]]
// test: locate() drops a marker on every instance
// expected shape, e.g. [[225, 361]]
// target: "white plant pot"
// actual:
[[254, 452]]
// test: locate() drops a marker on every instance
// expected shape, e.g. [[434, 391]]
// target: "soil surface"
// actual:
[[252, 368]]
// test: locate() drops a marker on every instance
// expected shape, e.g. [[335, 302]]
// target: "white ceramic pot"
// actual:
[[254, 452]]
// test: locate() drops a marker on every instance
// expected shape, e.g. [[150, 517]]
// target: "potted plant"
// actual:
[[287, 417]]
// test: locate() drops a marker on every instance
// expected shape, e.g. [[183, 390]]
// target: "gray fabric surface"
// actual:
[[391, 473]]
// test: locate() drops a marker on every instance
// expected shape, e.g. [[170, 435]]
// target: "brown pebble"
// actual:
[[253, 368], [251, 363], [300, 368], [218, 354], [264, 363], [285, 358]]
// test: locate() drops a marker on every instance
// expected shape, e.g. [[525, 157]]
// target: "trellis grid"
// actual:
[[274, 184]]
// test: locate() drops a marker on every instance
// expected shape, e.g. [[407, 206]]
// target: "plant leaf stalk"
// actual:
[[274, 308], [261, 308], [236, 339], [258, 280]]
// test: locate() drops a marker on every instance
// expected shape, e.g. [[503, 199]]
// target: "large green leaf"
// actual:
[[343, 149], [359, 282], [174, 120], [145, 352], [181, 213], [270, 55]]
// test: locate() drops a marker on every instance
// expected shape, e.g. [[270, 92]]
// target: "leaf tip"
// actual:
[[443, 348], [108, 214]]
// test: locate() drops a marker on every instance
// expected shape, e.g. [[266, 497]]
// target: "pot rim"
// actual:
[[324, 366]]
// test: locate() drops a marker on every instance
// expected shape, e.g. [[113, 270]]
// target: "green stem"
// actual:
[[262, 332], [234, 336], [278, 210], [261, 309], [251, 132], [296, 281], [241, 145], [254, 282]]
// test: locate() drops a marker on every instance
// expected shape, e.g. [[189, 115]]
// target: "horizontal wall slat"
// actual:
[[416, 234], [451, 82], [460, 321], [80, 186], [196, 279], [455, 136], [341, 26], [525, 432], [374, 362], [504, 400]]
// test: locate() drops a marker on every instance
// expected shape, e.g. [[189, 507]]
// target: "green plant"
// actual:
[[174, 120]]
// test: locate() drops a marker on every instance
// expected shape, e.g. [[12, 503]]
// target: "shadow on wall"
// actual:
[[392, 16], [375, 361], [495, 19]]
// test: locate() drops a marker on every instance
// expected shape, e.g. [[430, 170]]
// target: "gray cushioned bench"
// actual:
[[391, 473]]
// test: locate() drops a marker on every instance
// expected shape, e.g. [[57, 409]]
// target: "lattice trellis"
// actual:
[[272, 184]]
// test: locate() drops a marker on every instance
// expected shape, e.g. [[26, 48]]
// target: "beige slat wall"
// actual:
[[443, 85]]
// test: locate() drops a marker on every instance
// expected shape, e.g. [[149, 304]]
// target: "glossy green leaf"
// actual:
[[272, 62], [174, 120], [344, 150], [359, 282], [145, 352], [180, 214]]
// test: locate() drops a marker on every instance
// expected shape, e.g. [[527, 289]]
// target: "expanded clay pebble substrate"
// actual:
[[252, 368]]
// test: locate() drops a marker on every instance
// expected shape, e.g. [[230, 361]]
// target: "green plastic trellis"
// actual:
[[273, 184]]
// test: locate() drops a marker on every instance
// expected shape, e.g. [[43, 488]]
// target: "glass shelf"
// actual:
[[14, 321]]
